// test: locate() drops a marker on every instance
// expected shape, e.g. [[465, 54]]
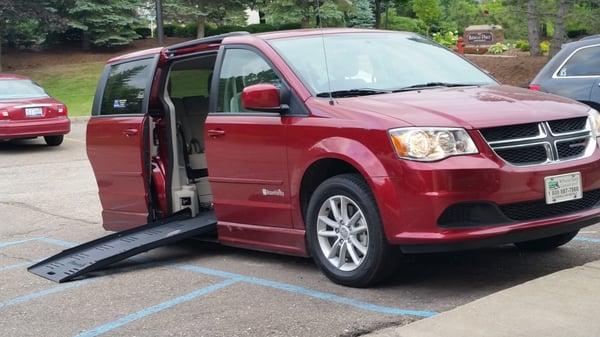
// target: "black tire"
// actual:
[[380, 259], [547, 243], [54, 140]]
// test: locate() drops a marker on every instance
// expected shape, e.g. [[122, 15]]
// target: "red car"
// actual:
[[349, 146], [26, 111]]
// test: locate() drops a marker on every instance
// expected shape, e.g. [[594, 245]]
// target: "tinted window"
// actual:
[[125, 88], [15, 89], [241, 68], [585, 62]]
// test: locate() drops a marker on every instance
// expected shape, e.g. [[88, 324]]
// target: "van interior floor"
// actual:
[[99, 253]]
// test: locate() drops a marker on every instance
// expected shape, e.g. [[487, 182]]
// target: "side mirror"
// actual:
[[263, 97]]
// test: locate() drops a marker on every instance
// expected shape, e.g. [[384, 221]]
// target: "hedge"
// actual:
[[189, 31]]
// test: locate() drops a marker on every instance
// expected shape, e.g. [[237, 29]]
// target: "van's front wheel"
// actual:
[[345, 234]]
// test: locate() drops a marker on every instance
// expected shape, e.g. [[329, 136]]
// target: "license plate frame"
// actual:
[[34, 112], [563, 187]]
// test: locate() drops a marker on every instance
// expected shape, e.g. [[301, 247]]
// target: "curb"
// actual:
[[79, 119]]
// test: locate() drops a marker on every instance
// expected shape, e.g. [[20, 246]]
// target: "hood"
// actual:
[[467, 107]]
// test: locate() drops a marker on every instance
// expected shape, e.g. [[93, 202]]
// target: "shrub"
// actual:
[[259, 28], [143, 32], [169, 29], [288, 26], [407, 24], [189, 30], [545, 47], [498, 48], [522, 45], [447, 39]]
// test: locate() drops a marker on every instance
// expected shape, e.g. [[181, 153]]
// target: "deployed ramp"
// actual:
[[107, 250]]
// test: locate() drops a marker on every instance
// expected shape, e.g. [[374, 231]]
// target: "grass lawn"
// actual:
[[72, 84]]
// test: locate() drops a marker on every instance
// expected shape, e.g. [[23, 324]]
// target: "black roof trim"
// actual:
[[210, 39]]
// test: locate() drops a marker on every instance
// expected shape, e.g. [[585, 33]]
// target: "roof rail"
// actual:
[[210, 39]]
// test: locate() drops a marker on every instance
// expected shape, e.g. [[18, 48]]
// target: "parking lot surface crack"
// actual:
[[37, 209], [361, 331]]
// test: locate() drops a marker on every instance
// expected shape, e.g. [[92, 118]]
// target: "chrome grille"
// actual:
[[567, 125], [540, 143]]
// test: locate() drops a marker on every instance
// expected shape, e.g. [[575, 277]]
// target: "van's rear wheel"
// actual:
[[345, 235], [547, 243], [54, 140]]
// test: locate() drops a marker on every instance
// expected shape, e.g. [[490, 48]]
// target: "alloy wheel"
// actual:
[[342, 232]]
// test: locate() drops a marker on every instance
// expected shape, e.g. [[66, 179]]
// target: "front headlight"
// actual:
[[430, 144], [594, 117]]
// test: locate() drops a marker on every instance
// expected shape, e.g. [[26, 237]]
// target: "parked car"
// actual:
[[350, 146], [574, 72], [27, 111]]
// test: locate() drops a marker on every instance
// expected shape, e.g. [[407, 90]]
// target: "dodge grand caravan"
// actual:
[[350, 146]]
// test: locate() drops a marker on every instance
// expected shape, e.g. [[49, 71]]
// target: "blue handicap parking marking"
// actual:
[[4, 244], [42, 293], [156, 308], [309, 292], [14, 266], [586, 239]]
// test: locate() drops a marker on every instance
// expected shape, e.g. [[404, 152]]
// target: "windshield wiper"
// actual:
[[434, 85], [353, 92]]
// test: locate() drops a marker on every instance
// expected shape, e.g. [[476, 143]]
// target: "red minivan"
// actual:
[[350, 146]]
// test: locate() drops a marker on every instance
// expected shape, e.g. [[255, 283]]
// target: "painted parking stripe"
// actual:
[[56, 242], [309, 292], [42, 293], [13, 266], [586, 239], [155, 309], [5, 244]]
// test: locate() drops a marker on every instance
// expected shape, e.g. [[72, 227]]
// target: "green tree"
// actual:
[[429, 11], [37, 15], [105, 23], [362, 15], [462, 13], [303, 11], [202, 11]]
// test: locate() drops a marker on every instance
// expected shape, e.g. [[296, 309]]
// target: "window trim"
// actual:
[[555, 74], [96, 106], [214, 93]]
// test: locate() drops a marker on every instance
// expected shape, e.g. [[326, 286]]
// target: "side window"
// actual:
[[241, 68], [585, 62], [125, 88]]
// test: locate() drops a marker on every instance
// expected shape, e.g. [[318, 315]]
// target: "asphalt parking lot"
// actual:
[[48, 201]]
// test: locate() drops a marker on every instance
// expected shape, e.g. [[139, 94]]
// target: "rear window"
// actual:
[[125, 89], [18, 89], [585, 62]]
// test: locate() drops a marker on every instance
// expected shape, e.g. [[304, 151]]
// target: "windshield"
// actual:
[[17, 89], [375, 63]]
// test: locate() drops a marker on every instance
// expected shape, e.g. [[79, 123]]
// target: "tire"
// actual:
[[547, 243], [368, 258], [54, 140]]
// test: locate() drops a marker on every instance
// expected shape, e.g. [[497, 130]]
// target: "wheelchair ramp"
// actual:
[[107, 250]]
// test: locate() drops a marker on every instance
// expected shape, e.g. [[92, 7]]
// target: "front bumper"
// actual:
[[411, 205], [14, 129]]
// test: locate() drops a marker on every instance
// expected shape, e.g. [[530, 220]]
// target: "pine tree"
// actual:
[[105, 22], [362, 17]]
